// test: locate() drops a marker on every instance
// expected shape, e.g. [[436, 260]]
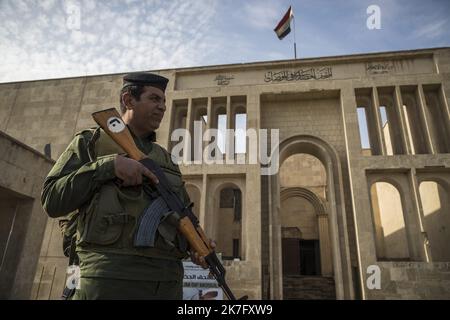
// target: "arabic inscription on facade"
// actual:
[[223, 80], [379, 67], [300, 74]]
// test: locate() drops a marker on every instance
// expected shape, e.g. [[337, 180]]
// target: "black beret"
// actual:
[[145, 79]]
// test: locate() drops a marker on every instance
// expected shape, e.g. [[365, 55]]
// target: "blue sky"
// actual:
[[42, 39]]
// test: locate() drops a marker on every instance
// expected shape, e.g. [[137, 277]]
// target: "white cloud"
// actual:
[[23, 5], [432, 30], [88, 5], [112, 38], [263, 14], [47, 4]]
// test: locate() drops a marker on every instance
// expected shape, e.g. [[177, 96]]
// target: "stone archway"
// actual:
[[321, 221], [337, 216]]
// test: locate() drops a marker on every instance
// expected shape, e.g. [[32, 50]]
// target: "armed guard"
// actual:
[[109, 197]]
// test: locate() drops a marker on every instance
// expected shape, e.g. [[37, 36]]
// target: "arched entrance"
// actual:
[[305, 245], [335, 214], [310, 223]]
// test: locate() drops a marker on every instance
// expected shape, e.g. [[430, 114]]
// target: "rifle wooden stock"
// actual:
[[106, 119], [195, 240]]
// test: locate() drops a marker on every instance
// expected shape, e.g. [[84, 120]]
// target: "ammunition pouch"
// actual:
[[112, 220]]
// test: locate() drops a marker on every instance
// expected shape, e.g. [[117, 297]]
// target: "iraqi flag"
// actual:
[[284, 26]]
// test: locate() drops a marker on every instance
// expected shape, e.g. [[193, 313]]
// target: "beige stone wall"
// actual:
[[413, 281], [229, 230], [21, 216], [342, 69], [50, 276], [304, 170], [435, 199], [388, 140], [297, 212], [298, 115], [389, 222], [45, 112]]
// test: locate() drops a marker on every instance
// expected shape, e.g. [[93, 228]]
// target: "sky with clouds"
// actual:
[[41, 39]]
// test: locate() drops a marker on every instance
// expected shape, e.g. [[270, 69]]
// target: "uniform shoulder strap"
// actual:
[[101, 144]]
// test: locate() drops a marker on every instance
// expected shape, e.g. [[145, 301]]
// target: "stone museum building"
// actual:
[[359, 207]]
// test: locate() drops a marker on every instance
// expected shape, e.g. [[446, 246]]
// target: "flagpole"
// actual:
[[295, 40]]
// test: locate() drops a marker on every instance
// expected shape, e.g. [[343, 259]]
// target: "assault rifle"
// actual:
[[111, 122]]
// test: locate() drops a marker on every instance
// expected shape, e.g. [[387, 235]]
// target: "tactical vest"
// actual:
[[110, 220]]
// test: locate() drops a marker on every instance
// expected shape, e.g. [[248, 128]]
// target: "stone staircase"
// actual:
[[308, 288]]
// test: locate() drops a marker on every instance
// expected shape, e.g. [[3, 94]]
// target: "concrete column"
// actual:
[[379, 129], [253, 122], [229, 138], [325, 246], [187, 152], [203, 202], [445, 106], [275, 239], [446, 112], [405, 133], [208, 123], [209, 113], [228, 112], [163, 132], [424, 119], [349, 114], [424, 249]]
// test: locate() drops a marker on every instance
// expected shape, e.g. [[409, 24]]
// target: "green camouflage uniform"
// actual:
[[111, 267]]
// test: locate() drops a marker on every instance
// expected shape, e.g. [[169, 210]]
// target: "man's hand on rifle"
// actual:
[[131, 171], [200, 260]]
